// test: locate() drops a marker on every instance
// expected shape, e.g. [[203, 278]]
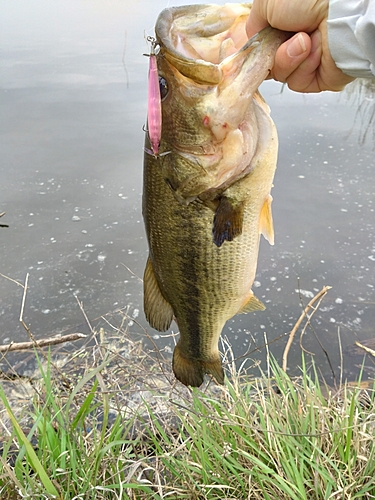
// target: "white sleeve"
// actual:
[[351, 36]]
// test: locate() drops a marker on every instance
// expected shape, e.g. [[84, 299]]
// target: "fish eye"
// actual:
[[163, 87]]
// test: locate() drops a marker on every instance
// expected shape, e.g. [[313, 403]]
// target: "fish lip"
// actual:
[[199, 70], [211, 73]]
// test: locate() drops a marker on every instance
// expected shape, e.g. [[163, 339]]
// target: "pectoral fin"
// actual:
[[252, 304], [266, 222], [228, 221], [158, 311]]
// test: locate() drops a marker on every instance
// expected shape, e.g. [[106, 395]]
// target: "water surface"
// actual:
[[73, 103]]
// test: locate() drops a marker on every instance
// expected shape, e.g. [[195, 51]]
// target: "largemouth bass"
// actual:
[[206, 197]]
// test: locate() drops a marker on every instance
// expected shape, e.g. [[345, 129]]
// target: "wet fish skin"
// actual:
[[206, 202]]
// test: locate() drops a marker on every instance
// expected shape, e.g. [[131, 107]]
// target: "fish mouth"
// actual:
[[192, 38], [208, 55], [206, 42]]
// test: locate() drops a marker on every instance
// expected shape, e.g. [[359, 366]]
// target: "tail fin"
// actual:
[[191, 371]]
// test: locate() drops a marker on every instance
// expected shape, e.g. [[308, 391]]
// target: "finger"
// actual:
[[256, 21], [304, 77], [290, 56], [318, 72]]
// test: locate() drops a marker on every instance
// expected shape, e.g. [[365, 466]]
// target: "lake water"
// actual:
[[73, 103]]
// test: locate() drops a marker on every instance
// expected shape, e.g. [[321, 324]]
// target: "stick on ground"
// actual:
[[21, 346]]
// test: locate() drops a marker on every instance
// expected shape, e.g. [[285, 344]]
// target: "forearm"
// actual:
[[351, 36]]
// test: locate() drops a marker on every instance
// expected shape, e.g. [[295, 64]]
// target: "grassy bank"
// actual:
[[113, 427]]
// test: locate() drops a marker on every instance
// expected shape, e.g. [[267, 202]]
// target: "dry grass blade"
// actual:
[[23, 307], [318, 298]]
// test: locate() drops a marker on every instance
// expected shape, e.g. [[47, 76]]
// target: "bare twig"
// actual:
[[23, 307], [341, 356], [80, 304], [367, 349], [42, 342], [131, 272], [24, 296], [21, 346], [3, 225], [308, 323], [318, 297], [123, 62], [11, 279]]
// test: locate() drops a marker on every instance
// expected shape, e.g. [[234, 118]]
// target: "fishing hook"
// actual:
[[157, 155]]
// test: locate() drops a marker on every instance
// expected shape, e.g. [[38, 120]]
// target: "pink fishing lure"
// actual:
[[154, 102]]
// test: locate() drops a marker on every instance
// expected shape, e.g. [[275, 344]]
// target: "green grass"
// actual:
[[274, 438]]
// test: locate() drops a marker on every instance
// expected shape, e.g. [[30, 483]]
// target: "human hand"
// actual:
[[304, 61]]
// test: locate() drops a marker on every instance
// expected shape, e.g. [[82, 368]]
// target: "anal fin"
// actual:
[[228, 221], [158, 311], [252, 304]]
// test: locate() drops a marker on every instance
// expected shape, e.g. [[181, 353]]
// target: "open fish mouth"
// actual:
[[209, 43], [191, 35], [213, 70]]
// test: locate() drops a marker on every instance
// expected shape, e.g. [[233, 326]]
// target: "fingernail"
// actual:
[[296, 46]]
